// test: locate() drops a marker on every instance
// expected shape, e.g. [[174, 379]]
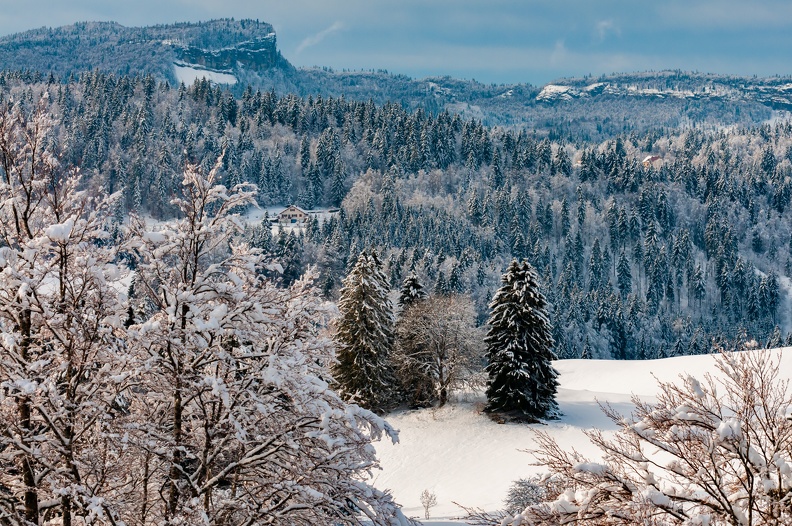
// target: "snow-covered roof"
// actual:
[[293, 208]]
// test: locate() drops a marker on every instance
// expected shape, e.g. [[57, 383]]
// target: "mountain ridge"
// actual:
[[587, 108]]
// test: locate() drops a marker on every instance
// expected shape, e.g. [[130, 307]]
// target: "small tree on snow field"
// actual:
[[364, 336], [522, 380], [428, 501]]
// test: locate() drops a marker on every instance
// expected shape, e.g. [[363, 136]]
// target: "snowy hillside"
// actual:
[[189, 73], [463, 456]]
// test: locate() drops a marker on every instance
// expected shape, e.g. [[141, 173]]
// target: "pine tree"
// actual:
[[587, 353], [624, 275], [364, 335], [411, 291], [440, 286], [520, 348], [337, 186]]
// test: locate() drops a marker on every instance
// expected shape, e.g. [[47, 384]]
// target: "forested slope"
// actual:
[[637, 261]]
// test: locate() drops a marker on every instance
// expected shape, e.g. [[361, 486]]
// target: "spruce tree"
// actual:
[[624, 275], [364, 335], [522, 381], [411, 291]]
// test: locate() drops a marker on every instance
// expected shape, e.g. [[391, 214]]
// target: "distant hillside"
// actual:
[[218, 45], [244, 53]]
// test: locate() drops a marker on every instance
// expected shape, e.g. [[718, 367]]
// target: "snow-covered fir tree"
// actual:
[[364, 335], [411, 291], [521, 377]]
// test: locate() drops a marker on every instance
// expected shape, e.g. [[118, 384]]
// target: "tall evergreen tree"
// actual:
[[364, 335], [624, 275], [519, 342]]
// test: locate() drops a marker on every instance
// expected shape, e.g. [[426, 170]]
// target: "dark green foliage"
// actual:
[[411, 291], [519, 342], [624, 275]]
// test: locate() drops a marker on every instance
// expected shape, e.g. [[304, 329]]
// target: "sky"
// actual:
[[492, 41]]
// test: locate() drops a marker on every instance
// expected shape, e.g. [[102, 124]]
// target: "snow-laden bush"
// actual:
[[531, 491]]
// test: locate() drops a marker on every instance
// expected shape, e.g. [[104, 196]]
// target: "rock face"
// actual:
[[258, 54]]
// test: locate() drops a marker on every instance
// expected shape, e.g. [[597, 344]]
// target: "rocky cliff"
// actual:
[[258, 54]]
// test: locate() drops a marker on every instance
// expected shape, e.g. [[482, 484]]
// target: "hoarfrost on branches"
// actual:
[[240, 424], [211, 406]]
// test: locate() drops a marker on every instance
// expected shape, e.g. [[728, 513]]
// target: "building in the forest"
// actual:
[[649, 160], [293, 214]]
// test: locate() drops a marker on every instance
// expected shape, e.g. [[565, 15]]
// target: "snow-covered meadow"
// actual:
[[189, 73], [462, 456]]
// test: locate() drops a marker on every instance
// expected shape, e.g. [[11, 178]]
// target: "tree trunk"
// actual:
[[28, 468], [146, 477], [66, 508], [443, 384], [175, 470]]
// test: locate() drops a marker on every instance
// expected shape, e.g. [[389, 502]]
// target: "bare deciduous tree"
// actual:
[[439, 347], [428, 501], [61, 349]]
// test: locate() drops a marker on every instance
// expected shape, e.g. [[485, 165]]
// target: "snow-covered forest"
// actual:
[[637, 261]]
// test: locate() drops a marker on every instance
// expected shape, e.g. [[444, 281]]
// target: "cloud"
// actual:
[[559, 54], [604, 27], [318, 37]]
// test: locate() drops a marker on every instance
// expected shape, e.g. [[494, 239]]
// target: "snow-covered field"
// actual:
[[188, 74], [463, 456]]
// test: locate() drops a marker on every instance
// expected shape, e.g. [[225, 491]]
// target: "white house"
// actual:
[[293, 214]]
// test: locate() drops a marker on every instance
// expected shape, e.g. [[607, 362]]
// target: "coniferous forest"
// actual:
[[637, 260]]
